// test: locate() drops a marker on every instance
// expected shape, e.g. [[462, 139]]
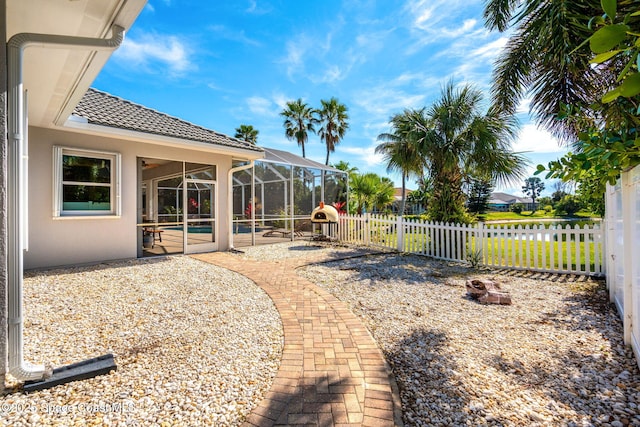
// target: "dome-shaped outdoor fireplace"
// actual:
[[324, 214], [327, 218]]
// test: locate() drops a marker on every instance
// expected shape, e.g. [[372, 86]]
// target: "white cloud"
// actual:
[[406, 78], [465, 28], [423, 17], [384, 101], [260, 105], [490, 50], [475, 61], [254, 9], [253, 6], [376, 128], [262, 108], [523, 106], [421, 11], [281, 100], [430, 25], [367, 155], [331, 75], [236, 36], [150, 50], [373, 41], [296, 50], [533, 139], [318, 61]]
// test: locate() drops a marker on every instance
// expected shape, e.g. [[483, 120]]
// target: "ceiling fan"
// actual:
[[146, 165]]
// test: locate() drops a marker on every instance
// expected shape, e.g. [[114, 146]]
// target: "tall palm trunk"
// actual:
[[448, 199], [404, 186]]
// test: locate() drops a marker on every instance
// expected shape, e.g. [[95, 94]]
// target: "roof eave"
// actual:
[[148, 138]]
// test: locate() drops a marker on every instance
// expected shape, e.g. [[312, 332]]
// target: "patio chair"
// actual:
[[281, 232]]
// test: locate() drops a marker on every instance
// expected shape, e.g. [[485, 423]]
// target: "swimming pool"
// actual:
[[206, 229], [199, 229]]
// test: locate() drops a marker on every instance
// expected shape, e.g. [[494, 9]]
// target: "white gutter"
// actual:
[[16, 182], [230, 199]]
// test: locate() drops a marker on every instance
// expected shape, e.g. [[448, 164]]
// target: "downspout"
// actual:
[[230, 197], [255, 205], [16, 180], [291, 202]]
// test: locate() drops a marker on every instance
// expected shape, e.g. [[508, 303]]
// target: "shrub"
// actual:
[[474, 257], [517, 208], [568, 205]]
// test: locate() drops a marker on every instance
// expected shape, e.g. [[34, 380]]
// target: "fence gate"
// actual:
[[623, 253]]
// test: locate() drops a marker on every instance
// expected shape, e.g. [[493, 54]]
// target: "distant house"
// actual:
[[410, 208], [397, 198], [502, 202]]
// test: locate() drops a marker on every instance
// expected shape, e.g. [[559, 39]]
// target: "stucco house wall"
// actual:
[[76, 240]]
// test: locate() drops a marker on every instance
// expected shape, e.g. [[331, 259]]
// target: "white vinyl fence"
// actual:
[[623, 253], [565, 249]]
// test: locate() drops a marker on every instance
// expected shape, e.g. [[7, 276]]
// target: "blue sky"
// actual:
[[221, 64]]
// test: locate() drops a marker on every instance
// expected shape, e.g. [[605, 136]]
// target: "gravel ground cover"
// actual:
[[553, 358], [194, 344], [199, 345]]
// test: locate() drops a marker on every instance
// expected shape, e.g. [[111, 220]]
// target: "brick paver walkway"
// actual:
[[332, 372]]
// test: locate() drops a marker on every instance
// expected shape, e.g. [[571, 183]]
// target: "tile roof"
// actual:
[[101, 108], [499, 198]]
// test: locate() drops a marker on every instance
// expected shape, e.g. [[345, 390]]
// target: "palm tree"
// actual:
[[384, 194], [299, 121], [363, 188], [546, 58], [455, 137], [421, 196], [400, 149], [333, 124], [247, 133], [345, 167]]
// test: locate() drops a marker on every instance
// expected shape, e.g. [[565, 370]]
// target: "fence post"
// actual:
[[367, 229], [478, 243], [400, 233]]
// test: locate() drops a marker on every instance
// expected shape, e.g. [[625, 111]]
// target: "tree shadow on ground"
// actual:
[[434, 393], [428, 387], [411, 269], [304, 248], [596, 381], [344, 252], [588, 308]]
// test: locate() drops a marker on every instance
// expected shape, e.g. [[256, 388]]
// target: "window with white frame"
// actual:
[[86, 182]]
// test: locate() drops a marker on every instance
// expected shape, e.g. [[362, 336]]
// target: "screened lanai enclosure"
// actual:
[[274, 198], [177, 207]]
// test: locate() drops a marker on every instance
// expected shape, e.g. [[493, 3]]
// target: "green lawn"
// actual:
[[501, 251], [514, 253], [528, 215]]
